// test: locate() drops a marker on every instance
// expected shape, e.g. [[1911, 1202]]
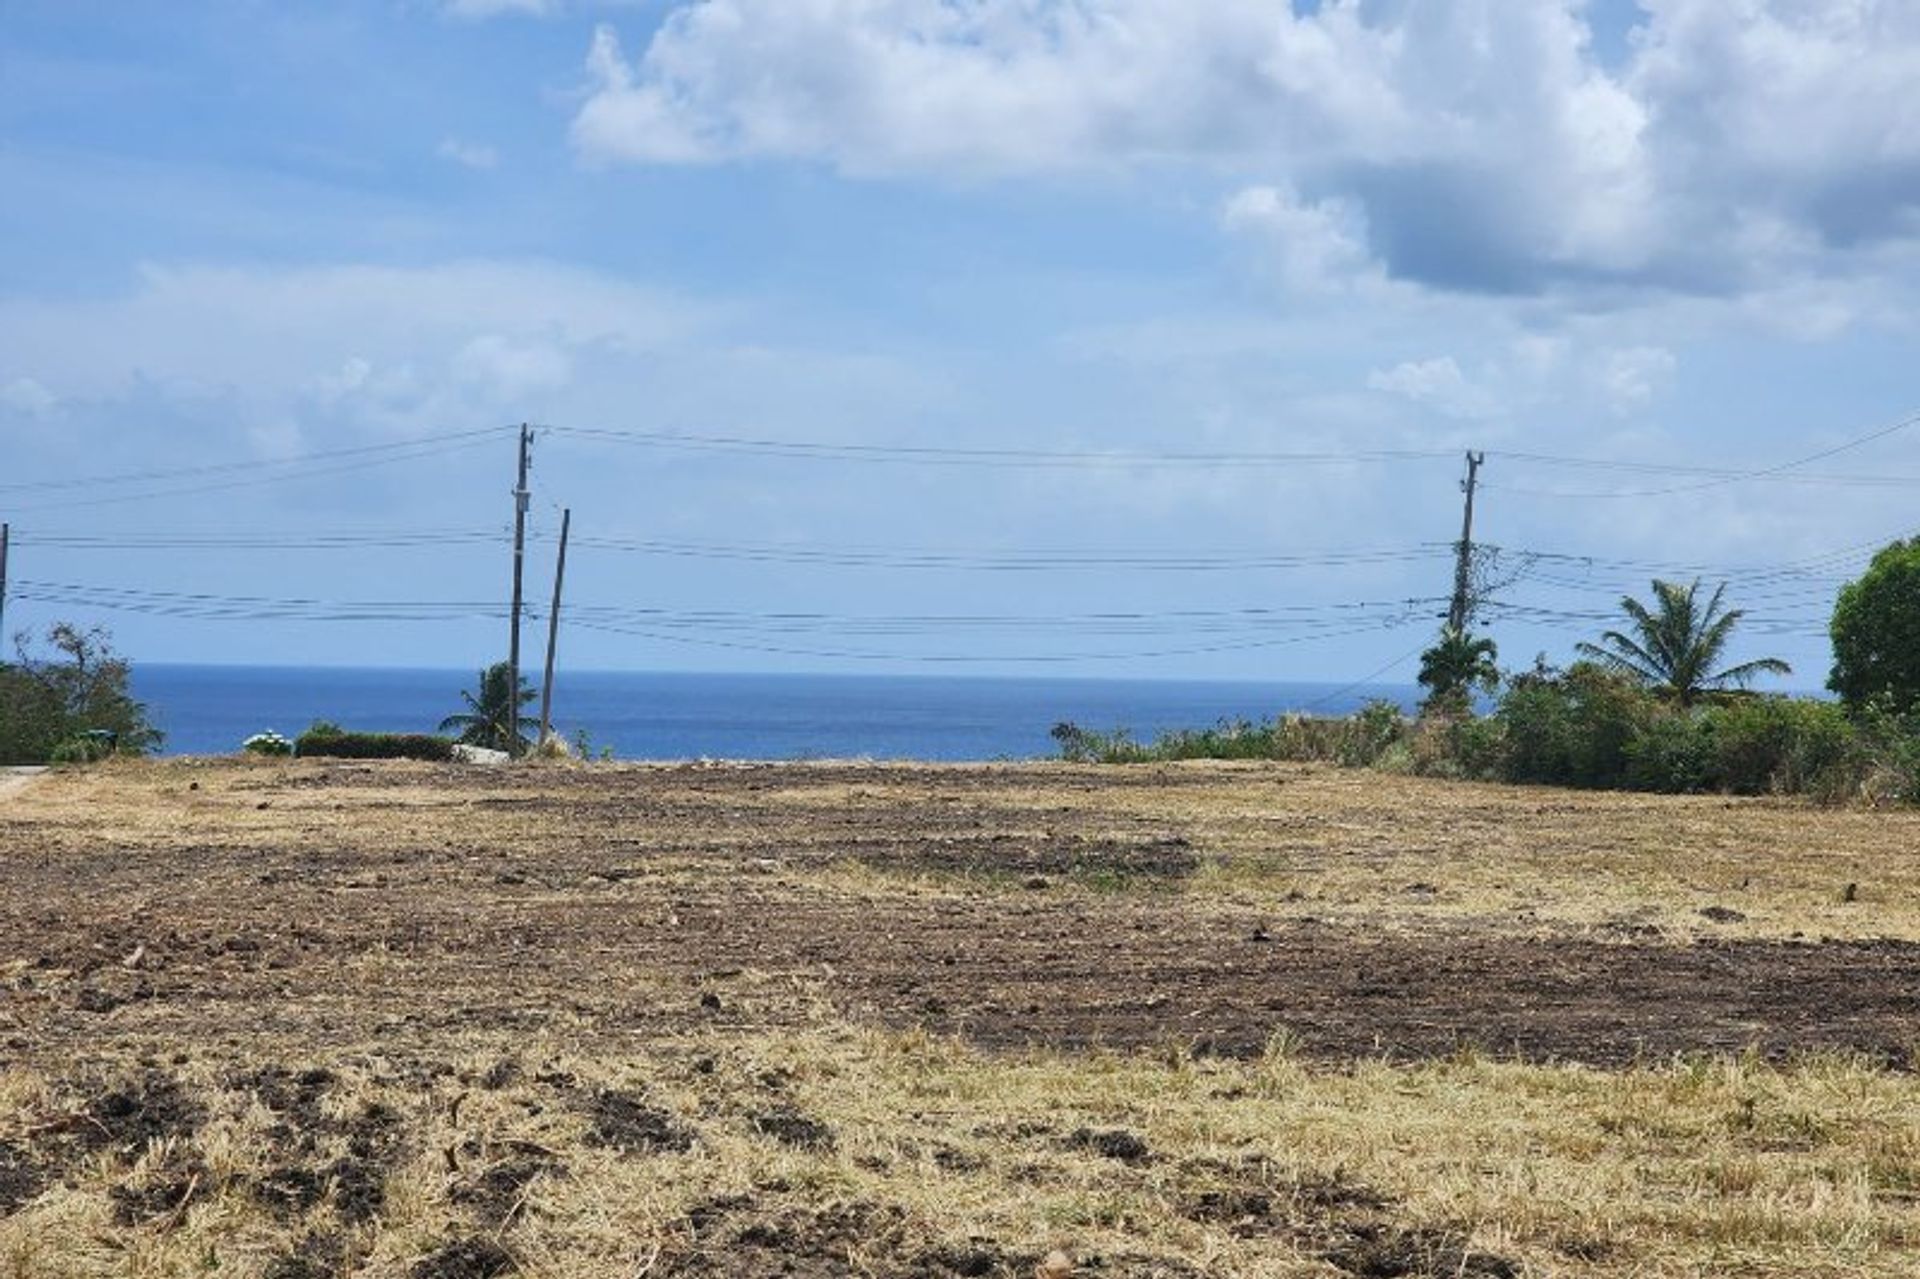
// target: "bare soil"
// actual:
[[837, 1020], [344, 903]]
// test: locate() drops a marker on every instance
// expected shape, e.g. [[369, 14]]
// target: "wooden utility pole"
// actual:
[[1463, 565], [553, 628], [6, 536], [520, 496]]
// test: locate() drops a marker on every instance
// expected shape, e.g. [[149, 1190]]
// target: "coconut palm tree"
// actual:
[[1677, 643], [488, 719], [1457, 664]]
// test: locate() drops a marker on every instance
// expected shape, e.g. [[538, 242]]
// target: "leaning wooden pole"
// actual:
[[553, 628]]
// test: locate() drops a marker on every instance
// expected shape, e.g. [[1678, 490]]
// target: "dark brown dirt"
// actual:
[[791, 1128], [628, 1124], [1098, 862], [1113, 1143], [1348, 1225], [318, 1256], [727, 885], [475, 1257], [497, 1194]]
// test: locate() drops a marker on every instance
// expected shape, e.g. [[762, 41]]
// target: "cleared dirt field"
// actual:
[[306, 1019]]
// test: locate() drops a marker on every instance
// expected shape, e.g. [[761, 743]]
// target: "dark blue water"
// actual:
[[211, 709]]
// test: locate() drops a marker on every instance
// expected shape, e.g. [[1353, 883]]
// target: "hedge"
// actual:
[[328, 741]]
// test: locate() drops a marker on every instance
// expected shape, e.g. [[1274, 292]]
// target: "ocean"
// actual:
[[656, 716]]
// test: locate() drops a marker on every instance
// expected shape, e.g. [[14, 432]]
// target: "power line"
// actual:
[[265, 541], [414, 450], [1731, 476], [978, 658], [222, 468], [941, 455]]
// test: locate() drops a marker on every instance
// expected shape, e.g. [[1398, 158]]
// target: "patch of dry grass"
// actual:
[[1352, 848], [289, 1020], [844, 1150]]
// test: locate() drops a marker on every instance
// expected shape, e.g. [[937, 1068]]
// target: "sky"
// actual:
[[1063, 337]]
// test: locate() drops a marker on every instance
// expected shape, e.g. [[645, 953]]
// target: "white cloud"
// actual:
[[512, 369], [1480, 147], [1437, 383], [28, 397], [1315, 247], [1629, 377], [473, 155], [390, 350]]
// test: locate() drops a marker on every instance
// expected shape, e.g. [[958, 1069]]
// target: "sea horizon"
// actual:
[[210, 708]]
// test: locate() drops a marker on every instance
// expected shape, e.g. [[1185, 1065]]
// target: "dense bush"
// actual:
[[48, 704], [81, 750], [1876, 633], [1572, 728], [1587, 727], [332, 741], [1356, 741]]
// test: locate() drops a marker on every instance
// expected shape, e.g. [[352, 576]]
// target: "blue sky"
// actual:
[[1672, 235]]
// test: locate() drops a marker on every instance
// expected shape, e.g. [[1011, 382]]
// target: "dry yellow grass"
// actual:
[[297, 1020], [1265, 1167]]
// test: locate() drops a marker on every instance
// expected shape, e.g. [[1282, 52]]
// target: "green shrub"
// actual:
[[1475, 748], [1373, 730], [1357, 741], [267, 743], [1572, 727], [46, 703], [1584, 727], [330, 741], [1764, 745], [80, 750], [1672, 752]]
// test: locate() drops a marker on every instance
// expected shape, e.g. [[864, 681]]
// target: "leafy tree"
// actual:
[[1457, 664], [46, 704], [1677, 643], [487, 721], [1876, 633]]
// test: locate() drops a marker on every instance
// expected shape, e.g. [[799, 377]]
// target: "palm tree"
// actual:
[[1456, 665], [1676, 645], [488, 719]]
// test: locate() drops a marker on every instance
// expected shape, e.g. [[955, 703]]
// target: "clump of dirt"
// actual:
[[499, 1193], [626, 1123], [354, 1183], [953, 1159], [1025, 859], [791, 1128], [1112, 1143], [318, 1256], [295, 1096], [291, 1190], [160, 1194], [1389, 1252], [1347, 1224], [358, 1188], [147, 1109], [21, 1178], [500, 1074], [744, 1238], [475, 1257]]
